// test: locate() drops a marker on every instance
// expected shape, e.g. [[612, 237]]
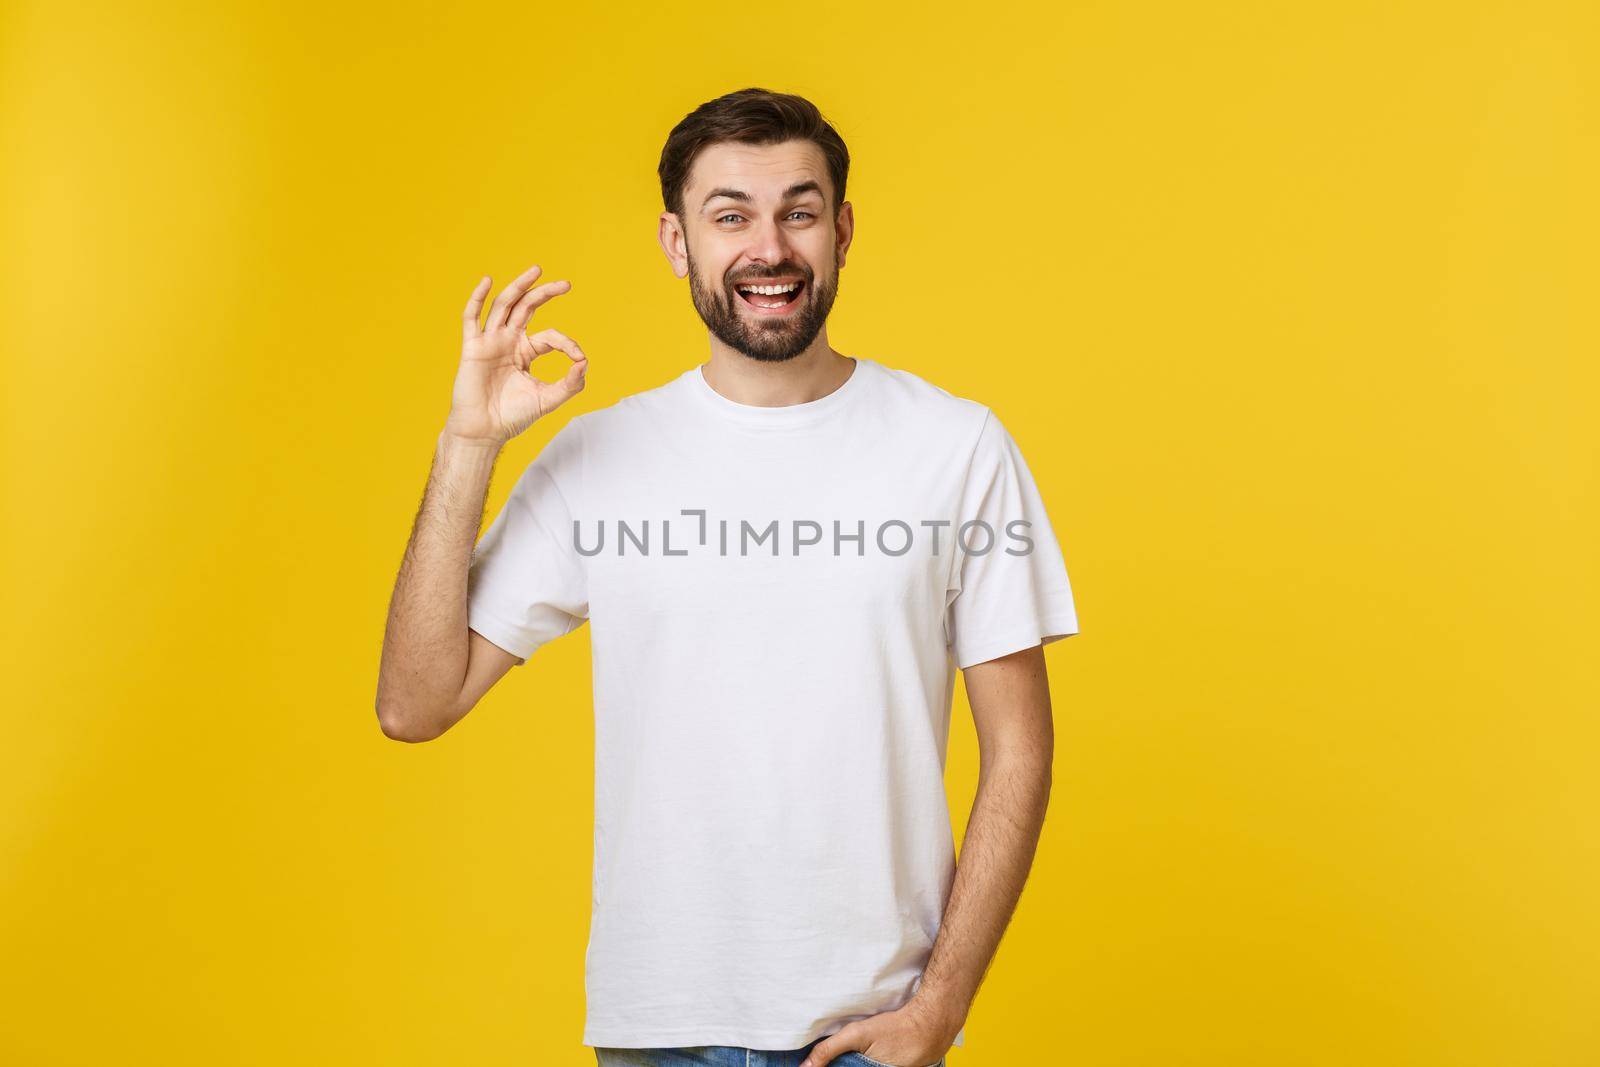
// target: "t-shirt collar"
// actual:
[[786, 416]]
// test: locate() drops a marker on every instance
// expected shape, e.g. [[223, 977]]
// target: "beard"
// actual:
[[771, 340]]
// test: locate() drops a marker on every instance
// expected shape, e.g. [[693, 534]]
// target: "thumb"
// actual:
[[824, 1051], [575, 378], [570, 385]]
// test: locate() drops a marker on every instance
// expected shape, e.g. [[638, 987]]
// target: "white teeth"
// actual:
[[770, 290]]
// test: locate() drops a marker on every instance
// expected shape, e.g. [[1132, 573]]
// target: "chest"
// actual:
[[800, 536]]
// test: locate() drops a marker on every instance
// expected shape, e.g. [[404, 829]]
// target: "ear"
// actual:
[[844, 230], [673, 243]]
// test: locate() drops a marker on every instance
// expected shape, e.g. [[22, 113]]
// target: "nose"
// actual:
[[769, 245]]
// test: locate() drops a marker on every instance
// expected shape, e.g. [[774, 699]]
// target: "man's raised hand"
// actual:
[[495, 398]]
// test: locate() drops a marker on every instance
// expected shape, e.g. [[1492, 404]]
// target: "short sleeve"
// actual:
[[527, 583], [1008, 588]]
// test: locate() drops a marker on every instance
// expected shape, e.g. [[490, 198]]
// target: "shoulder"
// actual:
[[915, 401], [632, 410]]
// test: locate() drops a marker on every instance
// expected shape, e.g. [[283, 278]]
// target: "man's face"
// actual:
[[761, 215]]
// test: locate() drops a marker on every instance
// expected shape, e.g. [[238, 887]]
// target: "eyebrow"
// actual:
[[739, 194]]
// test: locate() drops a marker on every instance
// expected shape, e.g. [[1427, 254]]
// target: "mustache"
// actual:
[[775, 274]]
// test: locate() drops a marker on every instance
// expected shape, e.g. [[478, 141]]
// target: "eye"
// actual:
[[807, 214], [730, 216]]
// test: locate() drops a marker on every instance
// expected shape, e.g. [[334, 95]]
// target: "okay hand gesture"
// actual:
[[495, 397]]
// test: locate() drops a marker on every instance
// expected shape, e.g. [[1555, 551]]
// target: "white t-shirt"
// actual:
[[776, 617]]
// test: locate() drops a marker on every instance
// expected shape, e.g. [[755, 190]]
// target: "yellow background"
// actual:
[[1290, 307]]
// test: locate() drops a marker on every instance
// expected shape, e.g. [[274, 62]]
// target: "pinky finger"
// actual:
[[474, 309]]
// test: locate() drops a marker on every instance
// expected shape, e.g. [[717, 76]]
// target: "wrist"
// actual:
[[469, 458], [457, 441], [941, 1014]]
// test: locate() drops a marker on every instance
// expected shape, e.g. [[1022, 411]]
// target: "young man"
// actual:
[[784, 555]]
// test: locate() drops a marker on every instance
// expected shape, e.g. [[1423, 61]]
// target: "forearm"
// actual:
[[996, 855], [425, 640]]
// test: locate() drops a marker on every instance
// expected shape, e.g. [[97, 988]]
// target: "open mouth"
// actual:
[[771, 297]]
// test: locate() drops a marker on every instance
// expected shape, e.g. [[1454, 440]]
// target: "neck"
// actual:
[[811, 375]]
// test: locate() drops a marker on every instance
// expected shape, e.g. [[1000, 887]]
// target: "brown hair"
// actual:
[[748, 116]]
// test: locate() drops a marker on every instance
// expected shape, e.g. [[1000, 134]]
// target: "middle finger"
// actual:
[[536, 296], [508, 297]]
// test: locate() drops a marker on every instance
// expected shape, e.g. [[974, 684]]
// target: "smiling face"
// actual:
[[760, 217]]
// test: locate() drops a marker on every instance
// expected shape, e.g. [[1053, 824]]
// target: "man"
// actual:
[[784, 555]]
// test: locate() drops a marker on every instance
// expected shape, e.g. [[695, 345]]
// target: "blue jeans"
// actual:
[[727, 1056]]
